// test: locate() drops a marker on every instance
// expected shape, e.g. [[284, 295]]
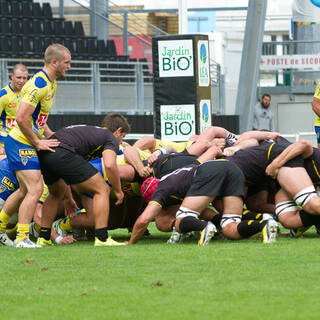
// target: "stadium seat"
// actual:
[[38, 46], [46, 10], [15, 26], [27, 26], [47, 27], [58, 27], [37, 27], [27, 9], [37, 11], [111, 48], [5, 9], [68, 29], [16, 45], [5, 25], [16, 9], [78, 28], [5, 46]]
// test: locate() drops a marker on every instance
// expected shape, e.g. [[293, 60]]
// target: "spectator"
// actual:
[[263, 116]]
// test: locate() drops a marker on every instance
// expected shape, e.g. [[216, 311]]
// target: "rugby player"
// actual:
[[69, 165], [25, 138], [10, 97], [196, 186]]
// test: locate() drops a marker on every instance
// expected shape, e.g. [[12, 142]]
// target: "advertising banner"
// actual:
[[175, 58], [203, 63], [177, 122], [205, 115]]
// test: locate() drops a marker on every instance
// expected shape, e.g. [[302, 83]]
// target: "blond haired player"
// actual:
[[26, 137], [10, 97]]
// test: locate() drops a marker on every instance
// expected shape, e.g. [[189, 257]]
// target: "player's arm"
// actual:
[[141, 225], [132, 156], [47, 131], [111, 169], [316, 106], [155, 154], [23, 117], [145, 143], [300, 148]]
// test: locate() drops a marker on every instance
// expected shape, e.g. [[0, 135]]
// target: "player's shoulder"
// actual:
[[40, 80], [4, 91]]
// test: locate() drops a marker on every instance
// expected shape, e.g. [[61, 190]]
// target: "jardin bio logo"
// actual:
[[203, 63], [177, 122], [175, 58], [205, 115]]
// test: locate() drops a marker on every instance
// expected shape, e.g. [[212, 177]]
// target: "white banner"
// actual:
[[177, 122], [175, 58], [203, 63], [205, 115], [297, 61]]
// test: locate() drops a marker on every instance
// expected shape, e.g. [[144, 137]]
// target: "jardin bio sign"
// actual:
[[177, 122], [203, 63], [205, 115], [175, 58]]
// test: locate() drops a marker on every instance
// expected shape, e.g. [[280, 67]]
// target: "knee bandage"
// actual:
[[285, 206], [304, 196], [185, 212], [229, 218]]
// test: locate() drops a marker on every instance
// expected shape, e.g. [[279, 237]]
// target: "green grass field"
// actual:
[[154, 280]]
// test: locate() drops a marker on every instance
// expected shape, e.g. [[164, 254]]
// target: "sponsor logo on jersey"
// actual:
[[8, 183], [25, 154], [10, 123], [42, 120], [48, 97], [12, 105]]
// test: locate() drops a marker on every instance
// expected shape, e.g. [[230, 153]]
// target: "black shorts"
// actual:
[[276, 149], [64, 164], [217, 178]]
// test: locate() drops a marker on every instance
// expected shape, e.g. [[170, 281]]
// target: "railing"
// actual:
[[296, 79], [309, 136], [103, 86]]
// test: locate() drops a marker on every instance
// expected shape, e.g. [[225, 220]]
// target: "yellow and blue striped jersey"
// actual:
[[37, 92], [317, 95], [9, 102]]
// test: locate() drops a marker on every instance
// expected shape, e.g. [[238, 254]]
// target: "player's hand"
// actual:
[[67, 240], [47, 144], [273, 135], [272, 171], [120, 196], [70, 207], [230, 151], [153, 157], [145, 172]]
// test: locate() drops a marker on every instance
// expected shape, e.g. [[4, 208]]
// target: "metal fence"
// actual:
[[103, 86]]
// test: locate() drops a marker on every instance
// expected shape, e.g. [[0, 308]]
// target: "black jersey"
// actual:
[[173, 187], [312, 165], [167, 163], [87, 141]]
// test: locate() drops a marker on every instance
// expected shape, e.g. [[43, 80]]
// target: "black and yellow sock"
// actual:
[[45, 233], [4, 219], [216, 220], [250, 215], [248, 228]]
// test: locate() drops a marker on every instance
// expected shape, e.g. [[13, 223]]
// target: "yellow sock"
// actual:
[[4, 219], [12, 232], [22, 232], [37, 228], [65, 225]]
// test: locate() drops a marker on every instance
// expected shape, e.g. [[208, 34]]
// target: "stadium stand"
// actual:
[[26, 29]]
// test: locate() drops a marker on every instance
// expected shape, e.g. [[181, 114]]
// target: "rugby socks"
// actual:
[[45, 233], [4, 219], [102, 234], [12, 232], [248, 228], [22, 232], [216, 220], [308, 219], [188, 224], [250, 215], [65, 225]]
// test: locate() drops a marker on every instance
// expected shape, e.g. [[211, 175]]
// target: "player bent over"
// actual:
[[199, 185], [68, 165]]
